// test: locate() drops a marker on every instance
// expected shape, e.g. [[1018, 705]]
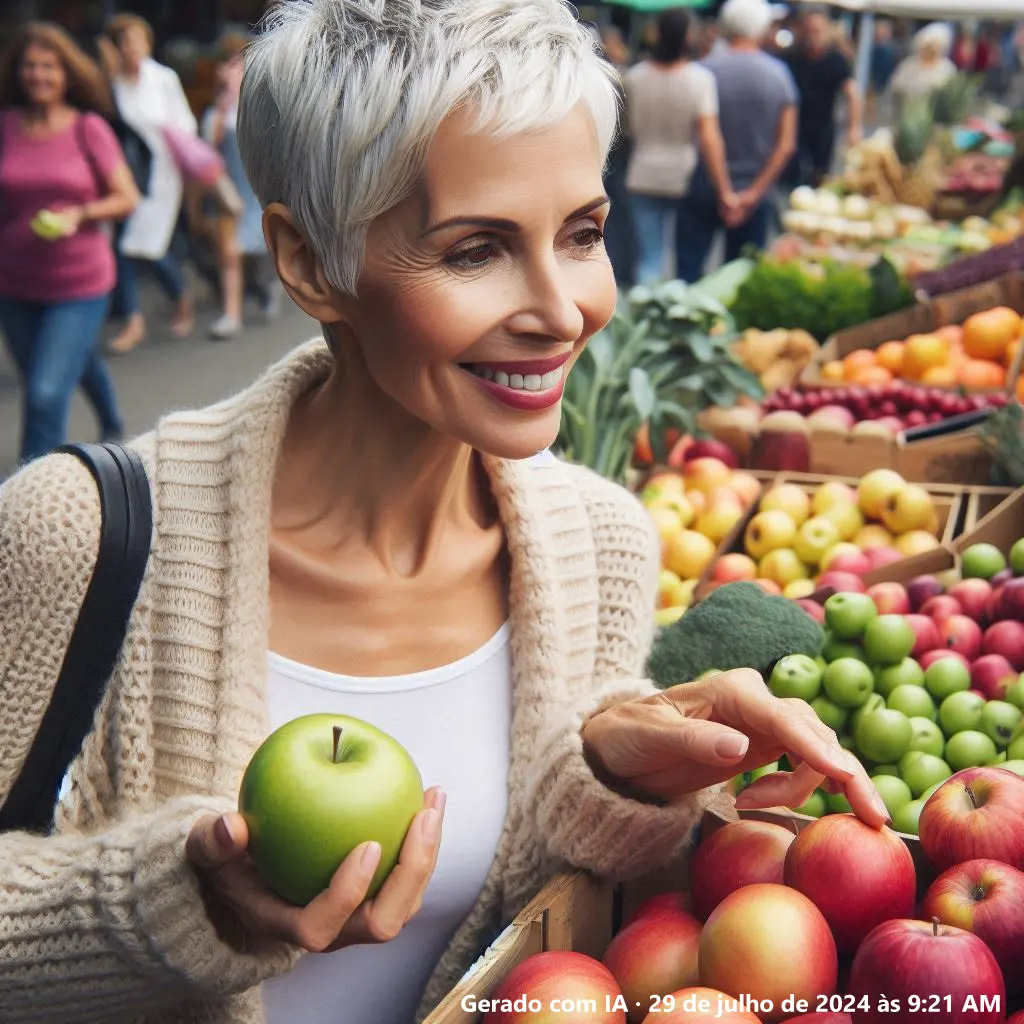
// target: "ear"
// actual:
[[299, 269]]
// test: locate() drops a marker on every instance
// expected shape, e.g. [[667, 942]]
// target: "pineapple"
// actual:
[[954, 100], [913, 135]]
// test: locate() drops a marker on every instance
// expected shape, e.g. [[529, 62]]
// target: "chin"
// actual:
[[505, 438]]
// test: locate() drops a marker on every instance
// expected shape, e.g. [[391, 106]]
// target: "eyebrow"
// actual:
[[501, 224]]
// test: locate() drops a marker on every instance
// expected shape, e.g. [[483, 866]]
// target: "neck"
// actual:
[[132, 73], [746, 45], [357, 470], [44, 114]]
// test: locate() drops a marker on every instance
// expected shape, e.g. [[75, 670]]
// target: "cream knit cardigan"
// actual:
[[105, 921]]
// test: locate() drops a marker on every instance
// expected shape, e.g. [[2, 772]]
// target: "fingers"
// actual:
[[215, 841], [399, 899], [710, 743], [781, 789]]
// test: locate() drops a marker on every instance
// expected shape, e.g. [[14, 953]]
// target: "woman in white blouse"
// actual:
[[150, 98]]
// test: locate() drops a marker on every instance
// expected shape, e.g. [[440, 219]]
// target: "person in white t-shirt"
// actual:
[[672, 107]]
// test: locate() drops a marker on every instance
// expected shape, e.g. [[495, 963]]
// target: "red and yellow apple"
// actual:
[[985, 897], [738, 854], [978, 813], [538, 990], [857, 876], [663, 901], [789, 498], [768, 941], [925, 964], [653, 957], [705, 474]]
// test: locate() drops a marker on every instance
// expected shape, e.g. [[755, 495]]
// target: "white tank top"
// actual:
[[455, 722]]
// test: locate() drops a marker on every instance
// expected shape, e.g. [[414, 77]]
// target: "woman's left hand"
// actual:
[[72, 218], [699, 734]]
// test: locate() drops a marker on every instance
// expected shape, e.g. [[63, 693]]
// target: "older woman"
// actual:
[[926, 69], [367, 529]]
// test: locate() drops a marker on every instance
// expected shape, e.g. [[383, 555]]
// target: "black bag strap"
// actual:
[[98, 636]]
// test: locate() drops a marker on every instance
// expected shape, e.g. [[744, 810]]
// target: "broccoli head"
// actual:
[[736, 626]]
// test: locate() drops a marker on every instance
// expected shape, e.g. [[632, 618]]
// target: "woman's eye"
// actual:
[[477, 256], [588, 237]]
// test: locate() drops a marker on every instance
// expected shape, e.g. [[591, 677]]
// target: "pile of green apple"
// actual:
[[912, 723]]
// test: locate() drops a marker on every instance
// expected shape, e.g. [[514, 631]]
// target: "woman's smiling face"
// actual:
[[480, 290]]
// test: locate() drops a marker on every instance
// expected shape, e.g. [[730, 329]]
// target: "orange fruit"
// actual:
[[953, 333], [858, 360], [987, 335], [833, 371], [923, 351], [1011, 351], [940, 376], [890, 356], [871, 375], [1019, 390], [979, 374]]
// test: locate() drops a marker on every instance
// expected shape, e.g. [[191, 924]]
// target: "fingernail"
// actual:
[[438, 799], [370, 858], [430, 825], [879, 803], [731, 746], [223, 834]]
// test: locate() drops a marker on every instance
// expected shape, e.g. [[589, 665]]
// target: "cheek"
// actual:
[[599, 296]]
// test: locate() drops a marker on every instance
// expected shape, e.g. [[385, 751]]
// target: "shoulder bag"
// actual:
[[125, 537]]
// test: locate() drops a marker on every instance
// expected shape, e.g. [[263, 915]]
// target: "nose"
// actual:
[[551, 309]]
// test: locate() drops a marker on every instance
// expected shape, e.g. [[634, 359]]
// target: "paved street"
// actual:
[[166, 374]]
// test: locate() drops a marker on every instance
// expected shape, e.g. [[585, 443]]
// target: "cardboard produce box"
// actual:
[[948, 499], [941, 311], [576, 911]]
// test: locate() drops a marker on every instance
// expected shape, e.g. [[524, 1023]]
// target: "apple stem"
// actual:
[[970, 796], [935, 926], [337, 740]]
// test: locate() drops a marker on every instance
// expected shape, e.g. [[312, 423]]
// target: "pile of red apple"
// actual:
[[823, 926]]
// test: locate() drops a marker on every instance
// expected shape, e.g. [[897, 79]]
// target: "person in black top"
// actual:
[[821, 73]]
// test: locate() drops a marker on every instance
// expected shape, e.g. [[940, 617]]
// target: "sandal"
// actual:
[[130, 338]]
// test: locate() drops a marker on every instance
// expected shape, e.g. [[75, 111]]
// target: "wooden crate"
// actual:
[[925, 317], [948, 500], [576, 911], [980, 502], [1002, 526]]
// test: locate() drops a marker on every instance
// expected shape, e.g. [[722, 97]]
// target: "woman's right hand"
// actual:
[[341, 915]]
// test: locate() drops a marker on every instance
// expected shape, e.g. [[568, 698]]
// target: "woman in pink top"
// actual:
[[57, 154]]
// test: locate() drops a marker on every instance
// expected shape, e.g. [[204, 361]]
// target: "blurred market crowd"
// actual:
[[116, 179]]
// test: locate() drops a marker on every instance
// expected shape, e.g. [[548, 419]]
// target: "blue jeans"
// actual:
[[698, 222], [166, 270], [55, 348], [652, 216]]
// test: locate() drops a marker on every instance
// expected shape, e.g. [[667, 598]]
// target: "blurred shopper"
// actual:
[[883, 58], [964, 51], [239, 239], [822, 73], [757, 103], [63, 177], [672, 107], [926, 69], [150, 98]]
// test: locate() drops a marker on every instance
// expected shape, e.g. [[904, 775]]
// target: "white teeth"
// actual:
[[519, 381]]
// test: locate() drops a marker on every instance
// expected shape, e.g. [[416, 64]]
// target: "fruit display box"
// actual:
[[955, 458], [948, 501], [1002, 526], [924, 318], [576, 911]]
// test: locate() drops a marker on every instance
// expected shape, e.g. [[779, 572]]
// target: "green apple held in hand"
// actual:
[[48, 225], [847, 615], [316, 789]]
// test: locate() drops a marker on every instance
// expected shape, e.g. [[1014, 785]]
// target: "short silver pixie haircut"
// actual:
[[341, 99]]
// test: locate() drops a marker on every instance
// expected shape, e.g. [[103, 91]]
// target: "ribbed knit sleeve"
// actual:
[[96, 923], [586, 823]]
